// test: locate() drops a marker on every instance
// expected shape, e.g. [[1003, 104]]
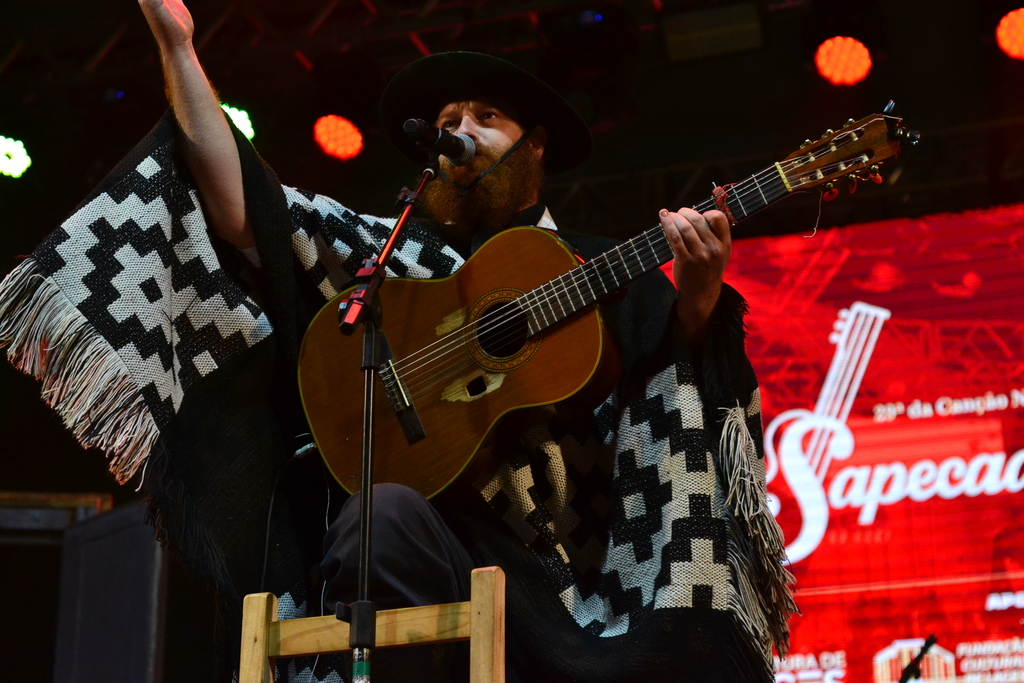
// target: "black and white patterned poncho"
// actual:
[[636, 539]]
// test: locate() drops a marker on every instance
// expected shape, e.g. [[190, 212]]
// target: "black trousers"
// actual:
[[414, 560]]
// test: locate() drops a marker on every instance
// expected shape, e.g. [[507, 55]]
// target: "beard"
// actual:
[[490, 203]]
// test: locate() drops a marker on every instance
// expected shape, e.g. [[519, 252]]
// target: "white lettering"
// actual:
[[946, 488], [994, 602], [918, 410], [887, 412], [1005, 600], [947, 405], [1013, 481], [989, 647], [849, 487], [991, 663], [888, 486], [944, 406], [811, 676], [1016, 398], [992, 465], [868, 487], [922, 475]]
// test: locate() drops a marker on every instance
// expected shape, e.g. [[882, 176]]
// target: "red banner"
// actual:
[[891, 362]]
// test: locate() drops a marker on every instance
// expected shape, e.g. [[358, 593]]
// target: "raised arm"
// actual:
[[206, 140]]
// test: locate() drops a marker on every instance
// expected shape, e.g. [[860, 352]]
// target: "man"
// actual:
[[635, 537]]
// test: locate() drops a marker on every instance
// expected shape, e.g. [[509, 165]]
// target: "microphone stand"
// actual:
[[913, 669], [363, 307]]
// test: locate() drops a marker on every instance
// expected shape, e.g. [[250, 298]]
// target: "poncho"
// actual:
[[636, 538]]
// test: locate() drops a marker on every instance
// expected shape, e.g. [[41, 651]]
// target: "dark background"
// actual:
[[80, 84]]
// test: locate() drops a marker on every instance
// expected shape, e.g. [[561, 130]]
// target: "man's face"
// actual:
[[513, 186], [493, 127]]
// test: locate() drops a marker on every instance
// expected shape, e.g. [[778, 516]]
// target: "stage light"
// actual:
[[338, 137], [1010, 34], [240, 118], [13, 157], [842, 60], [845, 42]]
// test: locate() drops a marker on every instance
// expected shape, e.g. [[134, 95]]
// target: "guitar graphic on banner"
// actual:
[[808, 441]]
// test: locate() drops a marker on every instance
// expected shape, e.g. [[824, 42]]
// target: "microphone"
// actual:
[[458, 149]]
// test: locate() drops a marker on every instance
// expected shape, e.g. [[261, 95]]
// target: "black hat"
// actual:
[[420, 90]]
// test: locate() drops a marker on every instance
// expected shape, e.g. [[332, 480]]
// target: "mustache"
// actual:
[[485, 158], [489, 203]]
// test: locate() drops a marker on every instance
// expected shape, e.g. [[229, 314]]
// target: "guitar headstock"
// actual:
[[857, 319], [853, 153]]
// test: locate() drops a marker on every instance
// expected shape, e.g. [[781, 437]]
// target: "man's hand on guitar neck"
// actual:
[[701, 244], [206, 140]]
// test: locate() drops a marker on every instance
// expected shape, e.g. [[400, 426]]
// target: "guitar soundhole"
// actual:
[[502, 330]]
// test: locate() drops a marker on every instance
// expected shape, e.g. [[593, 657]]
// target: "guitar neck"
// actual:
[[559, 298]]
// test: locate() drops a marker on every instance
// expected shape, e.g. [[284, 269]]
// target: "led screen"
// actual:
[[891, 362]]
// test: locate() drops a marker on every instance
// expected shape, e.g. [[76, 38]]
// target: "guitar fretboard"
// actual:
[[559, 298]]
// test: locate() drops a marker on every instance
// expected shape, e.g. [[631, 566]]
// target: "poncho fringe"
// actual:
[[83, 379], [760, 554]]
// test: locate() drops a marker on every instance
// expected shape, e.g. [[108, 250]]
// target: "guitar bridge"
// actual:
[[401, 401], [393, 387]]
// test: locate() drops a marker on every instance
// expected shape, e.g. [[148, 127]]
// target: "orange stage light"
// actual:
[[1010, 34], [338, 137], [842, 60]]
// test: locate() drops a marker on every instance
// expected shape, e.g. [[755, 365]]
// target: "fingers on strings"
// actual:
[[692, 234]]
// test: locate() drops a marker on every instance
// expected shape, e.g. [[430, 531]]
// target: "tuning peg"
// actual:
[[827, 133], [850, 122], [831, 192], [911, 137], [876, 178], [852, 179], [807, 143]]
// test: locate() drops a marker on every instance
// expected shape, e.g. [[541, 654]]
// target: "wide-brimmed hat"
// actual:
[[422, 89]]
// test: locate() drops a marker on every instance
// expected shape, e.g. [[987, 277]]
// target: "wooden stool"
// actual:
[[481, 621]]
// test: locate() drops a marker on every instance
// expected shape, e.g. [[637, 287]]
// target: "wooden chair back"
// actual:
[[481, 621]]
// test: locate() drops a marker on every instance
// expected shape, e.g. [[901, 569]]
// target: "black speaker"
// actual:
[[113, 590]]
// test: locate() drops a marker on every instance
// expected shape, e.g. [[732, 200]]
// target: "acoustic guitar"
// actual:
[[518, 325]]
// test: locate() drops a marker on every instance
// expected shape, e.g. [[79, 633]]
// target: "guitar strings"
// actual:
[[404, 363], [523, 306], [455, 365], [544, 295], [549, 291], [444, 372]]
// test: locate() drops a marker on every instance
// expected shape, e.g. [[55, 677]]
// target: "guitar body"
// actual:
[[459, 389]]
